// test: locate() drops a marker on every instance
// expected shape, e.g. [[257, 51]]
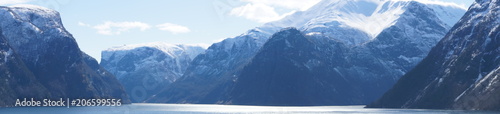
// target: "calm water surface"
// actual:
[[146, 108]]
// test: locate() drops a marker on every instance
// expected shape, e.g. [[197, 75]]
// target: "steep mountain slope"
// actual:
[[52, 56], [145, 69], [17, 81], [219, 69], [287, 71], [460, 72]]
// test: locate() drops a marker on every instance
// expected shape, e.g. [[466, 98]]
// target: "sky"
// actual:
[[101, 24]]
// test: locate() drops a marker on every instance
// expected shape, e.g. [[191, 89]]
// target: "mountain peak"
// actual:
[[159, 45], [32, 7], [36, 19], [173, 50], [287, 36], [24, 12], [288, 30]]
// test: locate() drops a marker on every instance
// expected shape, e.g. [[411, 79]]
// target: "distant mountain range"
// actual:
[[461, 72], [338, 53], [145, 69], [40, 59]]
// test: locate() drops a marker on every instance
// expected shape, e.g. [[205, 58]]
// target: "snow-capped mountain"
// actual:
[[398, 35], [461, 72], [49, 58], [356, 21], [144, 69]]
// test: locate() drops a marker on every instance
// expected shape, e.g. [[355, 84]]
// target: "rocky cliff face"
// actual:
[[17, 80], [460, 72], [51, 55]]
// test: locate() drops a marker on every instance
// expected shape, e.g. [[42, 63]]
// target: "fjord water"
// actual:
[[147, 108]]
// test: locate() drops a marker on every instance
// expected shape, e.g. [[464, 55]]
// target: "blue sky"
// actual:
[[101, 24]]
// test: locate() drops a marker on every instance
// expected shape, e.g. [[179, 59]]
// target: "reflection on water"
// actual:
[[198, 108]]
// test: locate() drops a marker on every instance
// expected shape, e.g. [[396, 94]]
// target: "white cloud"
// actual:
[[83, 24], [289, 4], [173, 28], [8, 2], [257, 12], [265, 10], [116, 28]]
